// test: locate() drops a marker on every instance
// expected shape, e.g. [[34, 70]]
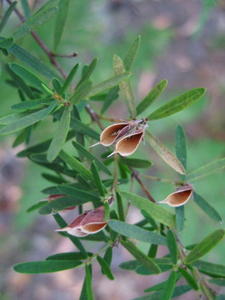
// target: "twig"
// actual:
[[39, 41], [137, 177]]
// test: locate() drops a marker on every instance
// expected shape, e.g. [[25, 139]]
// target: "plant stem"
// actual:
[[135, 174]]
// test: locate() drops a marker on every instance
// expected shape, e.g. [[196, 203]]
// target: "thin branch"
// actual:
[[138, 179]]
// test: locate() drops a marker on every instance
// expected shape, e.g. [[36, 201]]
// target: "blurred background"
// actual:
[[182, 41]]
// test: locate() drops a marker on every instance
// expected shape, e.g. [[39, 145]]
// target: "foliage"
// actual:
[[79, 175]]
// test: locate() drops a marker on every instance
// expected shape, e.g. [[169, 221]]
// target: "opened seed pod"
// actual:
[[180, 197], [129, 144], [89, 222], [114, 132]]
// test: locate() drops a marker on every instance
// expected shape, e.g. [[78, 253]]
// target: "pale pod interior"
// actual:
[[128, 145], [110, 133], [179, 198]]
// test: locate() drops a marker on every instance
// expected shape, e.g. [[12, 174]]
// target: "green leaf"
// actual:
[[31, 61], [5, 43], [88, 283], [37, 206], [31, 105], [206, 170], [105, 267], [180, 218], [39, 18], [207, 208], [210, 268], [28, 120], [151, 96], [172, 245], [140, 256], [78, 198], [164, 153], [120, 208], [124, 85], [7, 14], [76, 165], [26, 8], [189, 278], [88, 71], [97, 180], [59, 138], [108, 84], [91, 157], [108, 255], [111, 96], [181, 150], [68, 256], [179, 103], [220, 282], [4, 120], [204, 246], [69, 78], [132, 53], [81, 92], [27, 76], [136, 162], [154, 210], [48, 266], [80, 127], [170, 286], [72, 192], [136, 232], [60, 21]]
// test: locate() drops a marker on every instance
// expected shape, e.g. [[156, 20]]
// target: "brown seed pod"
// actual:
[[180, 197], [89, 222], [114, 132], [129, 144]]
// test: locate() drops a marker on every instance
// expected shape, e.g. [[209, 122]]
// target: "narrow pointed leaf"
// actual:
[[80, 127], [37, 19], [120, 207], [91, 157], [204, 246], [189, 278], [136, 162], [60, 21], [48, 266], [132, 53], [97, 180], [157, 212], [172, 245], [108, 84], [214, 270], [124, 85], [7, 14], [69, 78], [26, 8], [136, 232], [181, 150], [28, 120], [37, 206], [167, 293], [81, 92], [32, 61], [105, 267], [140, 256], [67, 256], [164, 153], [31, 105], [179, 103], [27, 76], [207, 208], [76, 165], [59, 138], [88, 71], [88, 283], [207, 169], [152, 96], [180, 217]]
